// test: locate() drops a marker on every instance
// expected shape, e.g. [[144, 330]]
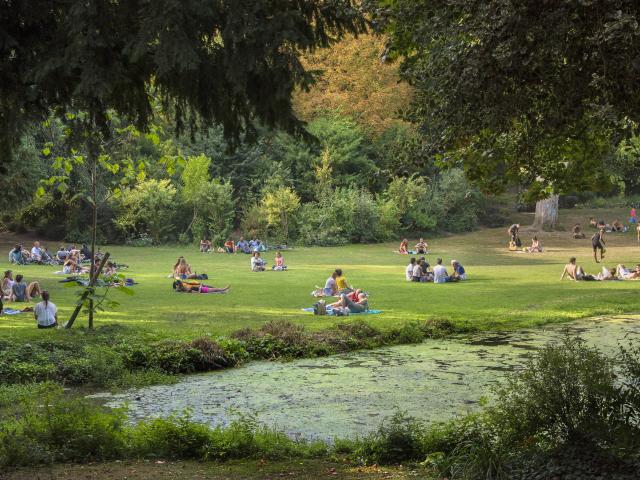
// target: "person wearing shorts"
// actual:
[[597, 241]]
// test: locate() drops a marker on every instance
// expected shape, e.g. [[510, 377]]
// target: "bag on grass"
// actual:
[[320, 308]]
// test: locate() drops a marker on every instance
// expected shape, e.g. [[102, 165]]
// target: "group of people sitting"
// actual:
[[45, 312], [420, 248], [39, 254], [243, 246], [419, 270], [258, 263], [350, 300], [615, 226], [573, 271], [185, 280], [18, 290]]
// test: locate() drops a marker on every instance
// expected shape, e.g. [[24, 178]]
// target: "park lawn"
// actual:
[[505, 290]]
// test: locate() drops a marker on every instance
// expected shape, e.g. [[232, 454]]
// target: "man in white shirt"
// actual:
[[409, 270], [331, 287], [46, 312], [36, 252], [440, 273]]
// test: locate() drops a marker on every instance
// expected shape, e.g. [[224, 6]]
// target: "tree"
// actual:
[[509, 89], [101, 160], [279, 205], [214, 62]]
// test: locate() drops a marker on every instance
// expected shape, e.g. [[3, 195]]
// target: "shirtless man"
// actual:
[[573, 271]]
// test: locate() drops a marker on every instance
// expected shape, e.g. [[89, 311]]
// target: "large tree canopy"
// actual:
[[221, 61], [527, 90]]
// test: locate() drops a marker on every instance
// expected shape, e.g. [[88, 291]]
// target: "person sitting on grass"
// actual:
[[21, 292], [617, 226], [15, 256], [575, 272], [279, 263], [535, 247], [62, 254], [416, 274], [426, 274], [183, 270], [593, 223], [421, 247], [330, 287], [185, 287], [577, 232], [408, 271], [257, 263], [440, 274], [341, 283], [404, 247], [70, 266], [36, 252], [204, 246], [598, 243], [46, 312], [6, 284], [229, 246], [243, 246], [459, 272]]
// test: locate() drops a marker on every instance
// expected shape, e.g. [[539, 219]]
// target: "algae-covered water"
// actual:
[[350, 394]]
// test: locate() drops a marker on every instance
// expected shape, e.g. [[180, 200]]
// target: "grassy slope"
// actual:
[[505, 290]]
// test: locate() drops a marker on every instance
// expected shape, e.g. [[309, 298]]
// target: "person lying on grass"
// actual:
[[279, 265], [185, 287], [608, 274], [356, 302], [625, 274], [257, 263], [575, 272]]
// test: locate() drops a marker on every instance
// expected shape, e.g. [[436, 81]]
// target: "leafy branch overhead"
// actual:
[[533, 91], [215, 62]]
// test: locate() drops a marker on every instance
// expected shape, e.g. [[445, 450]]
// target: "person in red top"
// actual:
[[229, 246], [633, 216]]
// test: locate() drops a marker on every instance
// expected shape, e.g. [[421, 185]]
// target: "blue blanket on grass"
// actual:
[[11, 311], [330, 312]]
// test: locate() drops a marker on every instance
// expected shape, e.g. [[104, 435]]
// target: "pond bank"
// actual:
[[350, 394]]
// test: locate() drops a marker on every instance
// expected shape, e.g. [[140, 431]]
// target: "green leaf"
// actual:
[[46, 151]]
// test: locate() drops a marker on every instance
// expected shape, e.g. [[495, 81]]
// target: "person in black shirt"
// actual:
[[597, 241]]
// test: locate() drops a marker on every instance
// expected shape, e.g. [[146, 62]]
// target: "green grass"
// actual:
[[505, 290]]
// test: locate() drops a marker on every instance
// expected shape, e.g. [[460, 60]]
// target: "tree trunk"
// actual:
[[94, 220], [92, 281], [546, 214]]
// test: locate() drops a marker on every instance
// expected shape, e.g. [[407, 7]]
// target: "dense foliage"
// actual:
[[525, 92]]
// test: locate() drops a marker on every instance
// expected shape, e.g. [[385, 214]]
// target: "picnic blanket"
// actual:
[[11, 311], [330, 312]]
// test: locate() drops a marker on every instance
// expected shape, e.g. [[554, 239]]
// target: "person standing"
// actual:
[[514, 234], [633, 216], [46, 312], [597, 241]]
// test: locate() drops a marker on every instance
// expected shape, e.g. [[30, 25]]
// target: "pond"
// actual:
[[351, 394]]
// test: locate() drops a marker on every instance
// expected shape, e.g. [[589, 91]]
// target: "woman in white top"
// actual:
[[46, 312], [409, 270], [7, 284]]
